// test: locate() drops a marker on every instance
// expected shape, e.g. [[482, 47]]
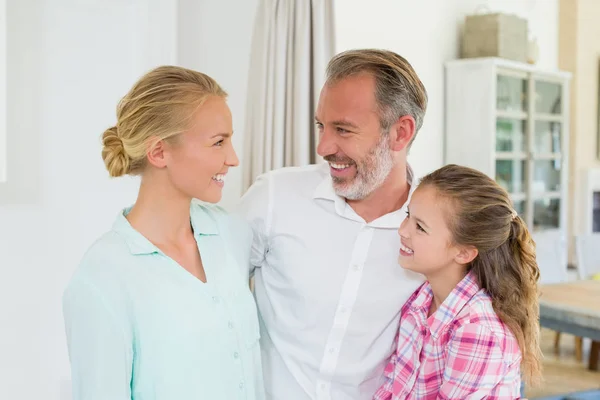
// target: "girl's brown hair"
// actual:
[[483, 216]]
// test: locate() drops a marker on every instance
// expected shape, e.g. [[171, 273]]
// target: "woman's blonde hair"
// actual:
[[158, 107], [483, 216]]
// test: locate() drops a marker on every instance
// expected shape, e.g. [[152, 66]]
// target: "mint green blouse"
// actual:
[[139, 326]]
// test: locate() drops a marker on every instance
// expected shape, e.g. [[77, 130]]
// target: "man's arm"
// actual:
[[385, 392], [256, 208]]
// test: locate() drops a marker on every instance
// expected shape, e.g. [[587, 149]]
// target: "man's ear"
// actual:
[[156, 154], [466, 255], [402, 132]]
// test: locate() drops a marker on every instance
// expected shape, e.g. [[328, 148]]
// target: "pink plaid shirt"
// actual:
[[462, 351]]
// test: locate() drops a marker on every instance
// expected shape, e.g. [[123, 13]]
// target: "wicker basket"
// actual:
[[495, 35]]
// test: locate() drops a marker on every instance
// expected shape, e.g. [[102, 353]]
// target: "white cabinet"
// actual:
[[511, 121]]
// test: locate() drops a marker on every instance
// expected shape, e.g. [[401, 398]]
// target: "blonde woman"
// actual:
[[160, 307]]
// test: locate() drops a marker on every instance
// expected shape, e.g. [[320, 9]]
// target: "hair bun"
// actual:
[[115, 158]]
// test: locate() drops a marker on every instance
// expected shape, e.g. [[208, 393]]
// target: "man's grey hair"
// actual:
[[398, 89]]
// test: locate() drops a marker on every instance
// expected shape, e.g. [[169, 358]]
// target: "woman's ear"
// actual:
[[156, 154]]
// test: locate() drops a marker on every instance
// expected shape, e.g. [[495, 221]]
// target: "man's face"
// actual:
[[351, 138]]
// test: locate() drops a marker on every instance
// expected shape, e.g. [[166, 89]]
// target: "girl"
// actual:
[[470, 329], [160, 307]]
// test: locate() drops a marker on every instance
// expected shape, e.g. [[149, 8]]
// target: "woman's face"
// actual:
[[198, 159]]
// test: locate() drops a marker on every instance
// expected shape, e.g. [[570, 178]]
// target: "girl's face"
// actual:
[[426, 243]]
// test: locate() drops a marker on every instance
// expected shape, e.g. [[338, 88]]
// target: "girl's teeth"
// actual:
[[219, 178], [405, 249]]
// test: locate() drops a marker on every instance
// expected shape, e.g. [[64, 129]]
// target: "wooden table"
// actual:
[[574, 308]]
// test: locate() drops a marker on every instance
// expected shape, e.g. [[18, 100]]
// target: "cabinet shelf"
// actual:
[[516, 115]]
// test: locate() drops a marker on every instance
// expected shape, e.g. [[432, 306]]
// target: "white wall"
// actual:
[[215, 37], [427, 33], [2, 91], [69, 62]]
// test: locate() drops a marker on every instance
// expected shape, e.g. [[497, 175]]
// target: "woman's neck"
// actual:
[[161, 213]]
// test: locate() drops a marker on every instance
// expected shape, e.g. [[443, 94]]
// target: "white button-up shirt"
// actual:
[[327, 284]]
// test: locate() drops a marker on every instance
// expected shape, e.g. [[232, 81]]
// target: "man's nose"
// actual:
[[327, 145]]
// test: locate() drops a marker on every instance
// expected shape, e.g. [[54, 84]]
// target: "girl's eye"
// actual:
[[219, 143], [419, 227]]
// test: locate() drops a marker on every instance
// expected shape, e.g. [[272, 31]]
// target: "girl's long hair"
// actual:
[[483, 216]]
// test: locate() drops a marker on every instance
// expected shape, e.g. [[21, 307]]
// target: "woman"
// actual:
[[471, 328], [160, 306]]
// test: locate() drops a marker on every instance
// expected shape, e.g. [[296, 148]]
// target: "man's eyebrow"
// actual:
[[344, 122], [340, 122]]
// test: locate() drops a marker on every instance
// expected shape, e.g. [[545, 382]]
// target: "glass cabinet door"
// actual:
[[548, 97], [511, 136], [511, 93], [547, 137], [546, 213], [529, 145], [546, 156], [512, 175]]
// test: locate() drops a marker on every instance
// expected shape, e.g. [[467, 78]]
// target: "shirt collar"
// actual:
[[450, 308], [203, 224], [392, 220]]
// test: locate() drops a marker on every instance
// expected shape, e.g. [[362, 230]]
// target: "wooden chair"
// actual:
[[587, 250]]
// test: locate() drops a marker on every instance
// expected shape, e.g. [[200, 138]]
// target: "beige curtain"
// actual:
[[292, 42]]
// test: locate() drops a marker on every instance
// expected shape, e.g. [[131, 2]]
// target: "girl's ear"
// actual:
[[466, 255]]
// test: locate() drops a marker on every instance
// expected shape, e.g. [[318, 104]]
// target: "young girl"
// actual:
[[472, 328]]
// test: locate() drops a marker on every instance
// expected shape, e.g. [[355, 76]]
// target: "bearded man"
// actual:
[[325, 249]]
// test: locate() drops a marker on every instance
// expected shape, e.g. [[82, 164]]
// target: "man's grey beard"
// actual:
[[370, 173]]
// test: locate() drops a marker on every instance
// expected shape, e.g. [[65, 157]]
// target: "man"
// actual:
[[327, 283]]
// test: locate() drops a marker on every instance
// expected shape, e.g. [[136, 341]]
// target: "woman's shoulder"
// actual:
[[100, 273]]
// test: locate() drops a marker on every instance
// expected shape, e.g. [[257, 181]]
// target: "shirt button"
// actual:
[[236, 355], [343, 310], [356, 267], [241, 385], [331, 350], [215, 299], [230, 325]]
